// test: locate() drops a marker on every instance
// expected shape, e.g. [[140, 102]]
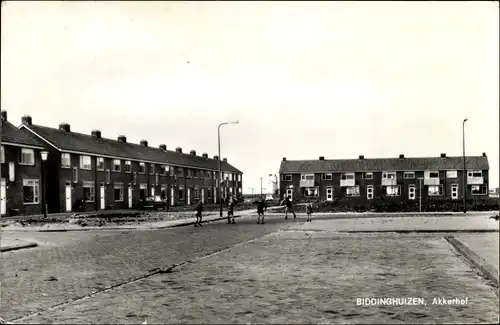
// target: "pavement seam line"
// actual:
[[485, 270], [149, 274]]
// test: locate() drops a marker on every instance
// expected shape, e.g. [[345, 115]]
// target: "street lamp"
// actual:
[[261, 188], [464, 179], [220, 166], [44, 154]]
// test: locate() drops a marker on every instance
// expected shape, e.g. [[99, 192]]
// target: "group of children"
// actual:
[[261, 207]]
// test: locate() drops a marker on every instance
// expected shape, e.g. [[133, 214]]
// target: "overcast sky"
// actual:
[[305, 80]]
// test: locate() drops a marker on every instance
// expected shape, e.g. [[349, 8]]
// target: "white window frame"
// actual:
[[315, 190], [389, 190], [347, 176], [118, 186], [451, 174], [478, 186], [2, 154], [85, 165], [387, 175], [406, 175], [440, 189], [365, 174], [35, 184], [180, 171], [286, 177], [65, 158], [127, 167], [414, 191], [29, 153], [326, 178], [97, 163], [87, 184], [163, 170], [142, 168], [117, 163], [171, 171], [356, 192], [428, 174], [75, 174], [475, 173], [368, 196], [457, 186], [307, 177]]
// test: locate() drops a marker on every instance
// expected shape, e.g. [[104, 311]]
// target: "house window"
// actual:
[[2, 155], [393, 190], [311, 191], [65, 160], [117, 165], [345, 176], [151, 169], [369, 192], [75, 174], [181, 192], [171, 171], [108, 176], [85, 163], [308, 177], [435, 190], [209, 193], [351, 191], [409, 175], [327, 177], [31, 193], [209, 174], [88, 191], [128, 166], [196, 193], [180, 171], [478, 190], [118, 192], [389, 175], [100, 163], [27, 157], [286, 177], [143, 191], [163, 170], [367, 175], [142, 168], [451, 174], [475, 173], [433, 174]]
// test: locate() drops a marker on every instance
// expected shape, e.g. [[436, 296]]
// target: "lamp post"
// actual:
[[220, 164], [464, 172], [44, 154], [261, 188]]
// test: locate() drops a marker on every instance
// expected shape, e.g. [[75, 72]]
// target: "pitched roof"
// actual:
[[85, 143], [11, 134], [383, 164]]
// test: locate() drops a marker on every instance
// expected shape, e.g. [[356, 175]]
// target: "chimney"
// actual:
[[443, 155], [178, 149], [321, 158], [65, 127], [484, 154], [284, 158], [122, 138], [4, 115], [361, 157], [26, 119], [96, 134], [193, 152], [144, 143], [216, 157], [163, 147], [401, 156], [224, 160], [205, 155]]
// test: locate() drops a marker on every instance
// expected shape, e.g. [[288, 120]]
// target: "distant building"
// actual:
[[494, 192], [368, 179]]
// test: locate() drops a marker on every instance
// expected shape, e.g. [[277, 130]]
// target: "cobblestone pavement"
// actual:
[[485, 245], [73, 264], [439, 223], [294, 277]]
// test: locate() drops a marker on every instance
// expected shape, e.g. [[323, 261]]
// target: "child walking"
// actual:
[[309, 210], [288, 206], [199, 210], [260, 211]]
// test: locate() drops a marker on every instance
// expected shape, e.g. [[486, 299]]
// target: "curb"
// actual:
[[481, 264], [422, 231], [14, 248]]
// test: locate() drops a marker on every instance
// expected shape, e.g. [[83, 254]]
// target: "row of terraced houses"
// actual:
[[95, 173], [430, 178]]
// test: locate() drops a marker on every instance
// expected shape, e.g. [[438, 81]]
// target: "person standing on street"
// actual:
[[199, 210], [288, 207], [260, 210], [230, 209], [309, 210]]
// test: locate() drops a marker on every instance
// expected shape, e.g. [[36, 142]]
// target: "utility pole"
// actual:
[[464, 171], [261, 188]]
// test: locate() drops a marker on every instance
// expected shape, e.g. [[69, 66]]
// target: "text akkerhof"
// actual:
[[404, 301]]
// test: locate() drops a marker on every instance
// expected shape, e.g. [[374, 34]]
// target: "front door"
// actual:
[[289, 193], [3, 197], [188, 196], [369, 192], [203, 195], [103, 198], [68, 197], [130, 196], [329, 194], [454, 191], [411, 192], [172, 196]]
